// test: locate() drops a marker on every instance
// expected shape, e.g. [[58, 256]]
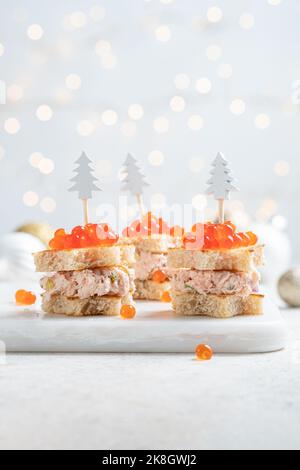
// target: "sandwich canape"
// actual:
[[215, 272], [89, 272], [152, 238]]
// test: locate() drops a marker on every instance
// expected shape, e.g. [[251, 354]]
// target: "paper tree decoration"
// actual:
[[84, 183], [134, 181], [221, 183]]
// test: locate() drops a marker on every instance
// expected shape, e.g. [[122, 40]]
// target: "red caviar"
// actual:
[[149, 225], [177, 231], [166, 297], [84, 237], [217, 236], [203, 352], [159, 276], [128, 312], [24, 297]]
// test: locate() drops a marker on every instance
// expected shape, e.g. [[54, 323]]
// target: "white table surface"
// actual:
[[148, 401]]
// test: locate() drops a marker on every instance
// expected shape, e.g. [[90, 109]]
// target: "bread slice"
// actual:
[[150, 290], [127, 254], [83, 258], [155, 243], [93, 306], [217, 306], [240, 259]]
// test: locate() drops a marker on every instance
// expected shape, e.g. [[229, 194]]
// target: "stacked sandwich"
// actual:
[[215, 273], [89, 272], [152, 238]]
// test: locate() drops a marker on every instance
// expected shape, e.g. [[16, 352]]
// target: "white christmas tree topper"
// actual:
[[221, 183], [84, 182], [134, 180]]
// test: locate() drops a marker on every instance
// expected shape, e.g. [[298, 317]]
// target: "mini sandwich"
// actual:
[[215, 273], [152, 239], [89, 272]]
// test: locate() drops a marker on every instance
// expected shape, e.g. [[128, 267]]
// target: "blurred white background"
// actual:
[[172, 81]]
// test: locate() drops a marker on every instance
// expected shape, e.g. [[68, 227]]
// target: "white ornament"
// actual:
[[134, 181], [221, 183], [16, 260], [278, 253], [84, 179]]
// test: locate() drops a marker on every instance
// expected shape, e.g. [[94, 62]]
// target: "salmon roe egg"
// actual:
[[60, 233], [128, 312], [253, 238], [24, 297], [147, 226], [177, 231], [166, 297], [203, 352], [84, 237], [159, 276], [211, 236]]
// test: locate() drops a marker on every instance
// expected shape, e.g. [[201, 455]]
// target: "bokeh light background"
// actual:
[[171, 81]]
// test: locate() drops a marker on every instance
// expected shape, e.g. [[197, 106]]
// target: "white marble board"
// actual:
[[154, 329]]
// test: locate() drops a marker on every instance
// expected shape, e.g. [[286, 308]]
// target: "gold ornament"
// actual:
[[43, 231]]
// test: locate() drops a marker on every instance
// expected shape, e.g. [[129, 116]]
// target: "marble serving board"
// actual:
[[154, 329]]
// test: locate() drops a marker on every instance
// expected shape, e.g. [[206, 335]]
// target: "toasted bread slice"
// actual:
[[155, 243], [240, 259], [217, 306], [127, 254], [82, 258], [93, 306], [150, 290]]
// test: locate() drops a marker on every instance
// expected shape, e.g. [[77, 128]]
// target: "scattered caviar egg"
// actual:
[[203, 352], [159, 276], [128, 312], [20, 296], [166, 297], [24, 297]]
